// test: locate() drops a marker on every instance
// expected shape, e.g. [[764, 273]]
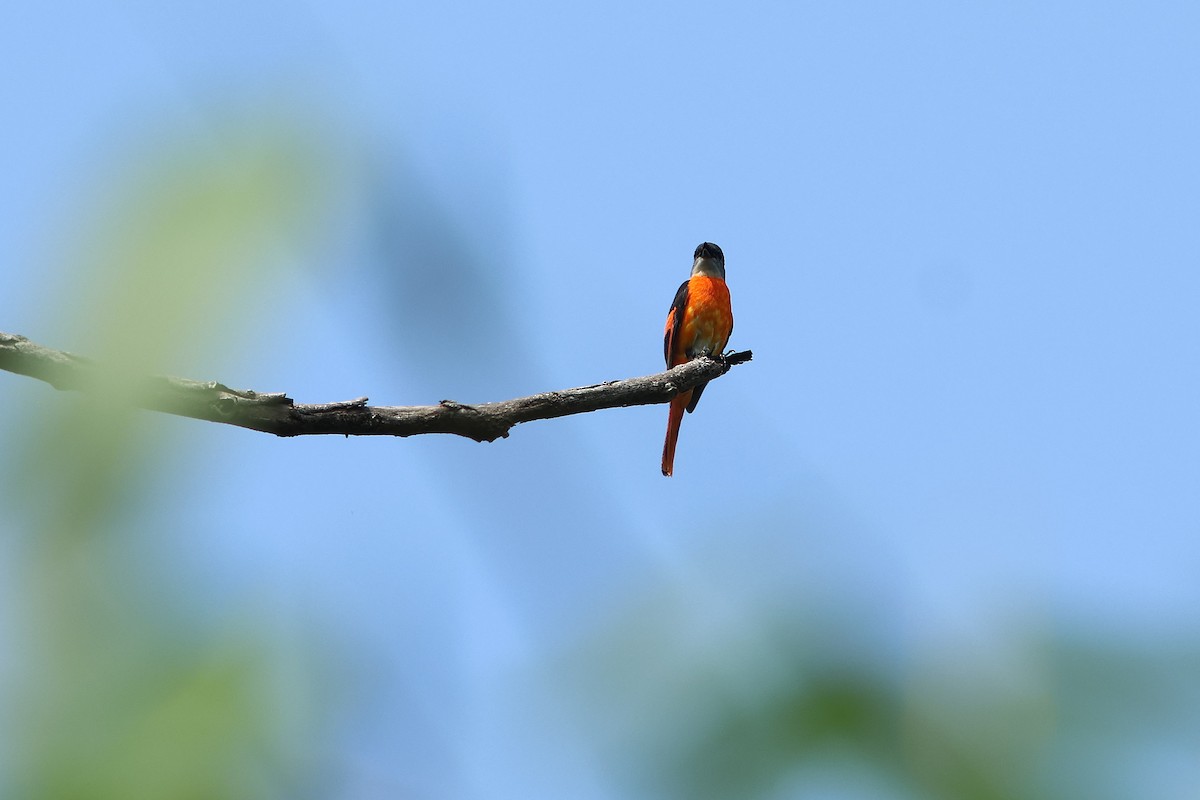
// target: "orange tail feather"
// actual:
[[677, 406]]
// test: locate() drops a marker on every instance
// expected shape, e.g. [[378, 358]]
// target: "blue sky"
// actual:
[[961, 240]]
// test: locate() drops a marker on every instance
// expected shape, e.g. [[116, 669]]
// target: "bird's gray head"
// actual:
[[709, 260]]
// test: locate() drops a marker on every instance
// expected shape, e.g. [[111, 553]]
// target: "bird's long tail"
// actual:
[[678, 404]]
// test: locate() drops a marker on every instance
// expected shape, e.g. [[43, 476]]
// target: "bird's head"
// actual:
[[709, 260]]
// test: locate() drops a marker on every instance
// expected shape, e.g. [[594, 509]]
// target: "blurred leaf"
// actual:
[[180, 256], [193, 240], [122, 696], [766, 701], [452, 293]]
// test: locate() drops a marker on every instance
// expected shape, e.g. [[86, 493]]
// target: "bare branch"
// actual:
[[278, 414]]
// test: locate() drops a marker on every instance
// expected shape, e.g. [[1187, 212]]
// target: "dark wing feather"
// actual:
[[674, 321]]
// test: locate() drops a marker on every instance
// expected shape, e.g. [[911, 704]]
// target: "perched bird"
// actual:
[[699, 323]]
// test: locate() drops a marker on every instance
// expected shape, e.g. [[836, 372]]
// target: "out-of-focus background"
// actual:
[[940, 539]]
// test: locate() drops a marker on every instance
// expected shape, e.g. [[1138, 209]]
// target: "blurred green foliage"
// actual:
[[118, 692], [765, 700]]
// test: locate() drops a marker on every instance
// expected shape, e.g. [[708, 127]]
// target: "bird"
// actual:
[[698, 324]]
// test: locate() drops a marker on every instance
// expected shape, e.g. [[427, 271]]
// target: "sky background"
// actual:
[[961, 240]]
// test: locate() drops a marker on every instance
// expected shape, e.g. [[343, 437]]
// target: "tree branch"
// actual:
[[278, 414]]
